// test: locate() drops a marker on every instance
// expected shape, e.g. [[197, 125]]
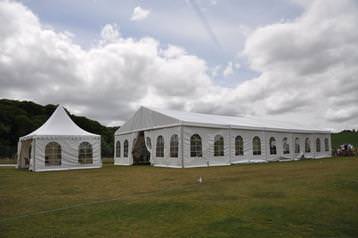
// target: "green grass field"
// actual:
[[311, 198], [7, 161]]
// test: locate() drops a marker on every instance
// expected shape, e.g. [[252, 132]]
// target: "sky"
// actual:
[[286, 60]]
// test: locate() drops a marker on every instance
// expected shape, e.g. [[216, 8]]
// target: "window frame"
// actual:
[[318, 145], [56, 151], [256, 151], [273, 147], [285, 146], [174, 146], [118, 149], [86, 153], [326, 144], [196, 146], [125, 148], [159, 148], [219, 145], [297, 145], [239, 145], [307, 145]]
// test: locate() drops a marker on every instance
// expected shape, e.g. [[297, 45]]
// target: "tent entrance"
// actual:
[[140, 153], [25, 154]]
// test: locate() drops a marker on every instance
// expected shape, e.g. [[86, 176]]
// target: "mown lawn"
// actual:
[[7, 161], [312, 198]]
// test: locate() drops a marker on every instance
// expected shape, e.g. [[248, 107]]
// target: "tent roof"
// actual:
[[149, 118], [59, 124]]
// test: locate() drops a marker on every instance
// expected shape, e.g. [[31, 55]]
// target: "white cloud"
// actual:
[[106, 82], [309, 62], [229, 69], [140, 14], [308, 69], [110, 33]]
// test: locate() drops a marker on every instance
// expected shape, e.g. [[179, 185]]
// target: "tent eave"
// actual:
[[27, 137], [220, 126]]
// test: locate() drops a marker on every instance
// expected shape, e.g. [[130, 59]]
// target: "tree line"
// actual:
[[19, 118]]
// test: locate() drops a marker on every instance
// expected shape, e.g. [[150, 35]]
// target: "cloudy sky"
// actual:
[[288, 60]]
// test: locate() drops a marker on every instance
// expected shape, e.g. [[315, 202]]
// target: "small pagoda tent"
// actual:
[[59, 144]]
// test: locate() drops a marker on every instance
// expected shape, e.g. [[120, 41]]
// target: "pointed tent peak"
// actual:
[[61, 124]]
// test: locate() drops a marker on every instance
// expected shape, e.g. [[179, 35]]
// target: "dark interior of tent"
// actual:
[[141, 155]]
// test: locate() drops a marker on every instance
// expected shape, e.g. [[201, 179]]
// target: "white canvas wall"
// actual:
[[165, 161], [207, 136], [70, 152], [248, 156], [120, 159]]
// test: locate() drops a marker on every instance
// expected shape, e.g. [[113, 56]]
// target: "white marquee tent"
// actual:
[[59, 144], [168, 138]]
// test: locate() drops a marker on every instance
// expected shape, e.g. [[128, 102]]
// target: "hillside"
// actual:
[[18, 118], [345, 137]]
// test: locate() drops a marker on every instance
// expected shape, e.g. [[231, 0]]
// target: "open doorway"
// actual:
[[25, 155], [140, 153]]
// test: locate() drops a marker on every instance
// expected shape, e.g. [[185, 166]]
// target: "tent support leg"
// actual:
[[265, 146], [230, 142], [34, 158], [182, 145]]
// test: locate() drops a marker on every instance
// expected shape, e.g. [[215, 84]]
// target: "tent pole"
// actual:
[[34, 158], [114, 148], [265, 144], [182, 146], [230, 156], [314, 146], [19, 144], [292, 150]]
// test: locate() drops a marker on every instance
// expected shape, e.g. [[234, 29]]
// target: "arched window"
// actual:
[[195, 146], [297, 145], [318, 145], [125, 149], [326, 144], [85, 155], [174, 146], [307, 145], [286, 146], [160, 147], [239, 145], [218, 145], [256, 146], [273, 149], [118, 149], [53, 154]]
